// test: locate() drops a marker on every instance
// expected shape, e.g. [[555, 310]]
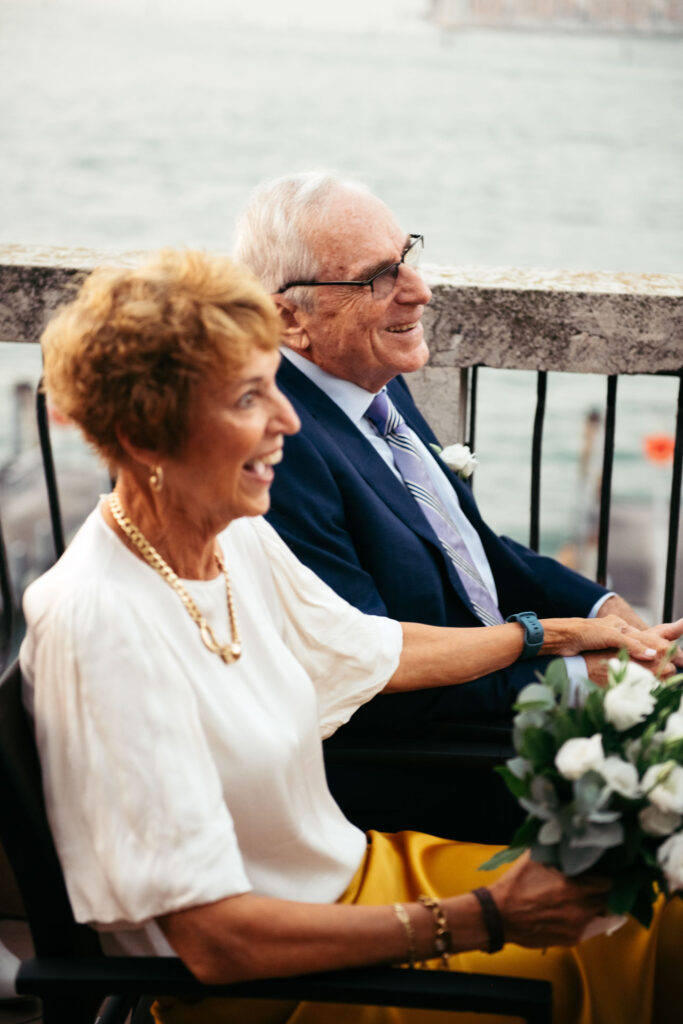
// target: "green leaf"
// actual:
[[557, 678], [593, 711], [505, 856], [589, 792], [518, 787], [545, 855], [642, 908], [526, 833], [625, 888], [538, 746], [565, 727], [535, 696]]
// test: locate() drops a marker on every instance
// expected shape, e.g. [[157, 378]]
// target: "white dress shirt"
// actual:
[[171, 779]]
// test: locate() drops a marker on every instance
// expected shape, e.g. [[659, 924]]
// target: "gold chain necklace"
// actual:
[[228, 652]]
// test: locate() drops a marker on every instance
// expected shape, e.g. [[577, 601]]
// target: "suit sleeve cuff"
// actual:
[[598, 605]]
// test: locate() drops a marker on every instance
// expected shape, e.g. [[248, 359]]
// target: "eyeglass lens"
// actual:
[[384, 282]]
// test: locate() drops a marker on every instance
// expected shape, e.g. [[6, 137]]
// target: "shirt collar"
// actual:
[[351, 399]]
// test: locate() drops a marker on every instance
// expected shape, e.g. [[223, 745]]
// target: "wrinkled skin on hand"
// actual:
[[660, 638], [541, 907]]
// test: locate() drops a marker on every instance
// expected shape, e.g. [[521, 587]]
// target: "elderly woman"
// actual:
[[182, 666]]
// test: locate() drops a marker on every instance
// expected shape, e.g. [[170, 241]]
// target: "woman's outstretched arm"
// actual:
[[441, 656]]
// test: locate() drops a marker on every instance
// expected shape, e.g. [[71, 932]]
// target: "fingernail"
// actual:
[[650, 652]]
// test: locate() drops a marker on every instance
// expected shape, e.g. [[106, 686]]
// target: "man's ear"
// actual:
[[294, 322]]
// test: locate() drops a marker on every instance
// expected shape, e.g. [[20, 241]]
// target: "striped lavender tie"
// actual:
[[391, 425]]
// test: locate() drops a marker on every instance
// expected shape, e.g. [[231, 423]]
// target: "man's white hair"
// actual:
[[274, 233]]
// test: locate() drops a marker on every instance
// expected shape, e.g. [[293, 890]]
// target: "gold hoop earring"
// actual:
[[156, 478]]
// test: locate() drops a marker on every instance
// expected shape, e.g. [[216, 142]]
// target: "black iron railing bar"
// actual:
[[536, 449], [472, 416], [674, 510], [7, 622], [606, 482], [474, 373], [49, 471]]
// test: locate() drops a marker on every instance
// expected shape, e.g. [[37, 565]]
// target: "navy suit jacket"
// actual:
[[346, 515]]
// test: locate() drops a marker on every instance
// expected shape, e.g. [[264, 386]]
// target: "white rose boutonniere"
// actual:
[[457, 457]]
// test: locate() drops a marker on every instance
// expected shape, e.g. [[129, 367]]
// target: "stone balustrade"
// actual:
[[572, 322]]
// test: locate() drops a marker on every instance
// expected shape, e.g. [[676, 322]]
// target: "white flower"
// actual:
[[578, 756], [629, 701], [663, 784], [670, 857], [658, 823], [620, 776], [673, 729], [460, 459]]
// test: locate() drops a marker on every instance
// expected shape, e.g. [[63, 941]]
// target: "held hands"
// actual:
[[662, 663], [542, 907], [607, 633]]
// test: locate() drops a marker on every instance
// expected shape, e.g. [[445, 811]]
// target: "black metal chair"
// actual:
[[441, 784], [72, 977]]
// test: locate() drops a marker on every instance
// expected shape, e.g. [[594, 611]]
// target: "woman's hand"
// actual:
[[574, 636], [671, 632], [542, 907]]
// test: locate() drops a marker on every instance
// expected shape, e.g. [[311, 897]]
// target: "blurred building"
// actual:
[[600, 15]]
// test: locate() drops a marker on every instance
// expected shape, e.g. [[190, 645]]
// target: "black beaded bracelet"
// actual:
[[492, 919]]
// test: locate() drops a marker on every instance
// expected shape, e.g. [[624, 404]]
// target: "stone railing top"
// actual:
[[523, 279], [583, 322], [70, 258]]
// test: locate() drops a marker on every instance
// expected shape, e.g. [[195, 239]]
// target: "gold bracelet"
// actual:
[[443, 943], [404, 917]]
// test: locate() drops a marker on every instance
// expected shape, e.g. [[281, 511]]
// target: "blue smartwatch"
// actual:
[[533, 633]]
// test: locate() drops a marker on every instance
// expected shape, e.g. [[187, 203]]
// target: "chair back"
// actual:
[[25, 833]]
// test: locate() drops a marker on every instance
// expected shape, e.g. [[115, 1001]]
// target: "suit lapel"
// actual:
[[310, 399]]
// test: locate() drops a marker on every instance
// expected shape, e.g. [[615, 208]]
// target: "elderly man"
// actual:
[[360, 496]]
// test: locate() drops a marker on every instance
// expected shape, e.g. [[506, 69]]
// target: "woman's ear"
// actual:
[[294, 322], [135, 452]]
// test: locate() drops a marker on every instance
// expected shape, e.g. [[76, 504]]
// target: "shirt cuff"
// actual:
[[598, 605], [577, 670]]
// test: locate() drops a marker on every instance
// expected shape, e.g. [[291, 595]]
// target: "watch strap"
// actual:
[[533, 633]]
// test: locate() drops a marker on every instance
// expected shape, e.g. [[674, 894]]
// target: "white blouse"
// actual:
[[172, 779]]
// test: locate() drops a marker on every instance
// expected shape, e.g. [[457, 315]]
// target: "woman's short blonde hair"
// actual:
[[134, 347]]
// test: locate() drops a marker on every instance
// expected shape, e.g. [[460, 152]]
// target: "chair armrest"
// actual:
[[377, 986], [421, 750]]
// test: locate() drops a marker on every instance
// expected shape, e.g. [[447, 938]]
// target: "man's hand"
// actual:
[[616, 605], [596, 661], [596, 665]]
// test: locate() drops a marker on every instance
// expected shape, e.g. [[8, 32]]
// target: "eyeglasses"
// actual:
[[382, 283]]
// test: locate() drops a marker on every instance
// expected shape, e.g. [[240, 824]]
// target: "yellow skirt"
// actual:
[[606, 980]]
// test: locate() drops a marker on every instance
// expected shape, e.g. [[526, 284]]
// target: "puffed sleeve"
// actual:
[[349, 656], [133, 795]]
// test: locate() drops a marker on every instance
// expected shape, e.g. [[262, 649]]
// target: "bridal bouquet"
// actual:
[[602, 784]]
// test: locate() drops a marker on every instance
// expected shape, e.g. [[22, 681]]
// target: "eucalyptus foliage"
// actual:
[[602, 784]]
